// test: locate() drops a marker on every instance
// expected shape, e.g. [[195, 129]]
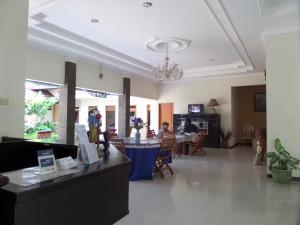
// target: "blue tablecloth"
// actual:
[[143, 160]]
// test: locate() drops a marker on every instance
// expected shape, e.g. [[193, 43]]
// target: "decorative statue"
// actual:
[[258, 158], [95, 122]]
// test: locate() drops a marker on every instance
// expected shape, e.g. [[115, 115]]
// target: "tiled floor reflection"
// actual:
[[223, 188]]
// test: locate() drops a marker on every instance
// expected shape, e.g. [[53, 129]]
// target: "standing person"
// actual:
[[164, 131], [92, 127]]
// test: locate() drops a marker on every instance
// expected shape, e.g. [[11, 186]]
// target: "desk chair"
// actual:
[[164, 155], [3, 180]]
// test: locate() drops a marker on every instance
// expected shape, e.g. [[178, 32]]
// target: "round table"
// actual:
[[143, 154]]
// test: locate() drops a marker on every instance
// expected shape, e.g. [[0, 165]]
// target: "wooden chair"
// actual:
[[197, 146], [112, 134], [119, 144], [164, 156], [150, 134]]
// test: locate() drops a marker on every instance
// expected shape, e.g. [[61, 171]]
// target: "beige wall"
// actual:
[[13, 35], [184, 93], [49, 67], [283, 92], [243, 109]]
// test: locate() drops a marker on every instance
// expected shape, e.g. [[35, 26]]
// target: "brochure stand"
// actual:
[[88, 151]]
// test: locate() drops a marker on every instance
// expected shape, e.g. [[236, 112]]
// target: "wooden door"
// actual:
[[166, 111]]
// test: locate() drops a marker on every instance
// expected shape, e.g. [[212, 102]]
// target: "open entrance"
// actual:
[[41, 111], [249, 117]]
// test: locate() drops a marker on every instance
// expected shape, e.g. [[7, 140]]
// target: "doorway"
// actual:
[[166, 111], [110, 116], [248, 111]]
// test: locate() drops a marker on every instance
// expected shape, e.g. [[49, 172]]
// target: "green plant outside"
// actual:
[[36, 110]]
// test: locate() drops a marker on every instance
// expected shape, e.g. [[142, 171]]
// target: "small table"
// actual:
[[143, 155], [181, 140]]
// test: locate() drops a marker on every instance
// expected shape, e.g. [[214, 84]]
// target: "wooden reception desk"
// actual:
[[96, 195]]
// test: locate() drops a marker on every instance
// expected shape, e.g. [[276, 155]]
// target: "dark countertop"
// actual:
[[113, 161]]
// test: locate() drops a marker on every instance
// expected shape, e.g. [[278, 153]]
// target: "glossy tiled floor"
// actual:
[[223, 188]]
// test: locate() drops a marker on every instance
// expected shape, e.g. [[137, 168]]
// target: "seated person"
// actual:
[[164, 131], [191, 129]]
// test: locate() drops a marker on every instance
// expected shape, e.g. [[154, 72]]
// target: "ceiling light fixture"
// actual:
[[147, 4], [94, 20], [167, 72]]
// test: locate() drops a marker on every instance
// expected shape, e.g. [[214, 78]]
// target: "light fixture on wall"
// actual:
[[213, 103], [100, 74]]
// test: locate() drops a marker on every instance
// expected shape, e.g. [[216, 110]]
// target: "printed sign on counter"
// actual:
[[46, 161]]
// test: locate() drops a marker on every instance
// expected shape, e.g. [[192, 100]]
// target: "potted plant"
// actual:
[[225, 137], [282, 163]]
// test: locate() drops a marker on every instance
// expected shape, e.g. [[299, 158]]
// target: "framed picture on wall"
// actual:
[[260, 102]]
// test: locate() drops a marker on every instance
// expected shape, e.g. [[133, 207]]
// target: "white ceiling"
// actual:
[[228, 31]]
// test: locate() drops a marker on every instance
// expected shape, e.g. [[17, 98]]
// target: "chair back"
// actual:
[[150, 134], [201, 138], [167, 144], [112, 134], [119, 144], [248, 130]]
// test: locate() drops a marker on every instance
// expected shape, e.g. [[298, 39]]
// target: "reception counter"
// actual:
[[95, 195]]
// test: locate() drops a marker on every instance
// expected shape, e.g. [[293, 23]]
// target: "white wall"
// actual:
[[49, 67], [144, 88], [184, 93], [283, 92], [13, 34]]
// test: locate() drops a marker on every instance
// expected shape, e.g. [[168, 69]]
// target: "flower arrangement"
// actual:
[[137, 123]]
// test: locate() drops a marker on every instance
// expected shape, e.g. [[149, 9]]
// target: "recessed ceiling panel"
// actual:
[[125, 26]]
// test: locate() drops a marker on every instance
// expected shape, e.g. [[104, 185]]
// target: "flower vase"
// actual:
[[138, 135]]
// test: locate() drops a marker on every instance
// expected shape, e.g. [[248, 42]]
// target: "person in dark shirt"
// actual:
[[189, 127]]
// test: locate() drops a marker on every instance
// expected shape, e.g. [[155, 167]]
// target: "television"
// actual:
[[196, 108]]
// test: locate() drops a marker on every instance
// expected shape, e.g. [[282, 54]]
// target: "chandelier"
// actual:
[[168, 71]]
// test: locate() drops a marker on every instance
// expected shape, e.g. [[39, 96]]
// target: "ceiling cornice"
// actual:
[[42, 5], [220, 14], [42, 33]]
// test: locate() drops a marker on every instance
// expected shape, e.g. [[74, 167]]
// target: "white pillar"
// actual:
[[13, 41], [121, 116]]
